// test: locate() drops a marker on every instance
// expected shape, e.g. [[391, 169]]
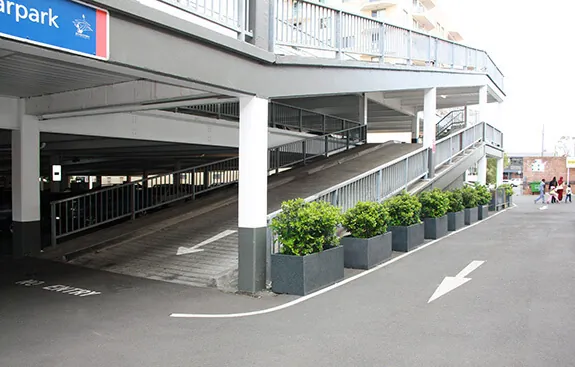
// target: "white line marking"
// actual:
[[469, 268], [196, 248], [331, 287], [450, 283], [544, 207]]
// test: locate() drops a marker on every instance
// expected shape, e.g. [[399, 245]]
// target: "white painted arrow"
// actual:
[[196, 248], [544, 207], [450, 283]]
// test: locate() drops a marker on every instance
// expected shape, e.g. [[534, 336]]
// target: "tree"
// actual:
[[492, 168], [565, 146]]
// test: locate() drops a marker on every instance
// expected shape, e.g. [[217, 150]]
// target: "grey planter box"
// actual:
[[471, 215], [455, 220], [435, 227], [509, 200], [482, 211], [302, 275], [405, 239], [365, 253]]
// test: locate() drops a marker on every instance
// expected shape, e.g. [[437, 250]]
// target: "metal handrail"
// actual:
[[93, 209], [326, 23], [448, 121]]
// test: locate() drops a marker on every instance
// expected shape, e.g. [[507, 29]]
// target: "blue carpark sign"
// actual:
[[64, 25]]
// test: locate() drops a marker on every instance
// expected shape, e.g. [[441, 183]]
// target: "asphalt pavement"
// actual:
[[514, 307]]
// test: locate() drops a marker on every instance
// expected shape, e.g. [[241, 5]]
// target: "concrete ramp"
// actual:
[[207, 244]]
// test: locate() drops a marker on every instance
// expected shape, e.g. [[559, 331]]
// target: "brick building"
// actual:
[[536, 167]]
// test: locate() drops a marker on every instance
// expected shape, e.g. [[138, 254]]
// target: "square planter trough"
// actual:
[[455, 220], [435, 227], [365, 253], [302, 275], [405, 239], [471, 215], [482, 211]]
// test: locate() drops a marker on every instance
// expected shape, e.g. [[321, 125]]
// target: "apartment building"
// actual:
[[420, 15]]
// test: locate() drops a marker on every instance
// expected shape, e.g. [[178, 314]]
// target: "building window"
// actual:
[[378, 14]]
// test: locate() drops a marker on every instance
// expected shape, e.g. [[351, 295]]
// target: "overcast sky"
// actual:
[[533, 43]]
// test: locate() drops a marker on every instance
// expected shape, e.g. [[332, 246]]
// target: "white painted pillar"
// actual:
[[415, 129], [252, 201], [25, 184], [429, 125], [482, 170], [363, 103], [499, 172], [482, 104]]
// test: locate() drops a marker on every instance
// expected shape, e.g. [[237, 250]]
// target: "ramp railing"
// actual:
[[391, 178], [334, 32], [100, 207], [280, 116], [453, 120]]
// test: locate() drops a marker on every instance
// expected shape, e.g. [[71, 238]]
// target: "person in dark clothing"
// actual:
[[553, 183]]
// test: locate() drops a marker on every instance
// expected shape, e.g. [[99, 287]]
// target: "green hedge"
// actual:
[[455, 201], [508, 189], [434, 203], [404, 210], [305, 228], [367, 219], [483, 194], [469, 196]]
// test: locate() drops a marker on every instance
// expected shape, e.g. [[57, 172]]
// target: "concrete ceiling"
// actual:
[[25, 75], [85, 155]]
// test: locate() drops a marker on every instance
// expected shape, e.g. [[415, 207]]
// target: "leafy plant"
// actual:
[[434, 203], [508, 189], [469, 196], [455, 201], [483, 194], [404, 210], [366, 220], [305, 228]]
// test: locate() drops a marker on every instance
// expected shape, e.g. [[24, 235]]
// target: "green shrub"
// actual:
[[455, 201], [469, 196], [366, 220], [305, 228], [434, 203], [483, 194], [404, 210], [508, 189]]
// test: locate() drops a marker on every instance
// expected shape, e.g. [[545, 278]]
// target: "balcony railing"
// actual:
[[320, 27]]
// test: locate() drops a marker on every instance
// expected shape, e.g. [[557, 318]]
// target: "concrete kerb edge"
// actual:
[[339, 284]]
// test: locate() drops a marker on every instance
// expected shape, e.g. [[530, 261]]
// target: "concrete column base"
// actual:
[[252, 259], [26, 239]]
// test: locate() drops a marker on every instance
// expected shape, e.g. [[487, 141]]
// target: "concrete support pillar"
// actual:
[[482, 104], [499, 172], [429, 125], [145, 179], [252, 200], [363, 103], [25, 185], [482, 170], [98, 181], [415, 129]]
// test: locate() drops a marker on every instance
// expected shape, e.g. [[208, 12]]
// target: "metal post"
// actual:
[[378, 182], [133, 191], [409, 48], [406, 172], [430, 60], [338, 35], [382, 42], [324, 124], [326, 143], [300, 120], [452, 55], [242, 20], [303, 151], [53, 239], [194, 184], [277, 160], [450, 149]]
